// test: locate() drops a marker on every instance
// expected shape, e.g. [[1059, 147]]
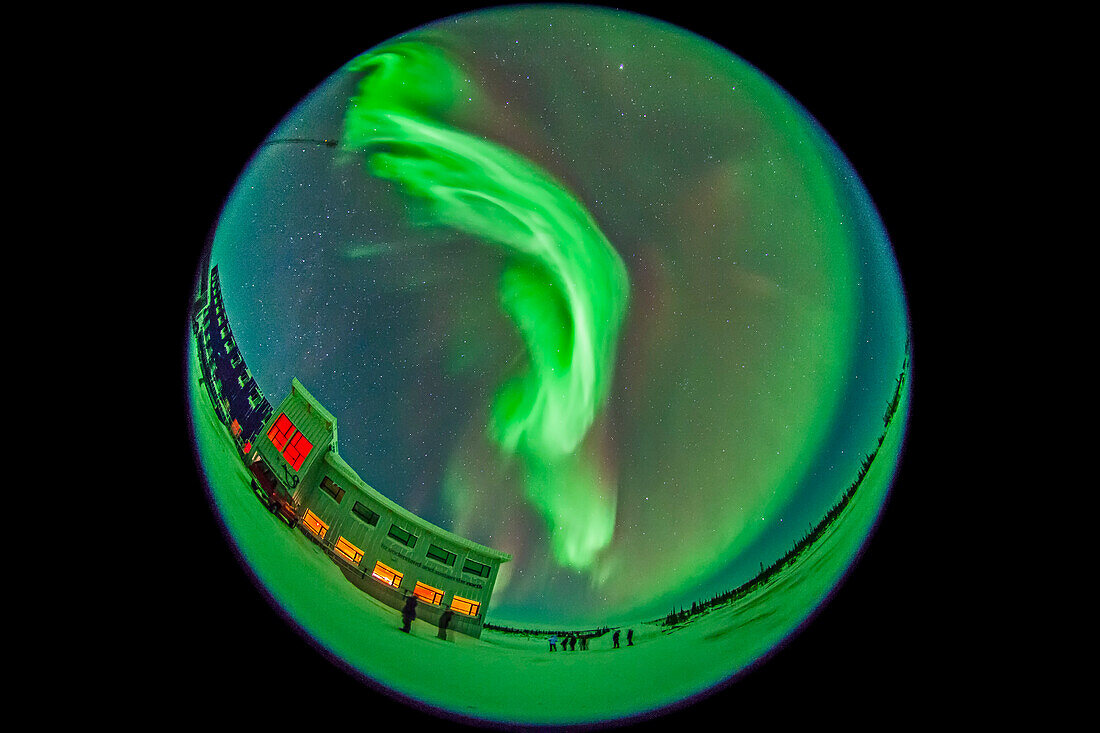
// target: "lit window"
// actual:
[[314, 524], [297, 450], [235, 427], [331, 489], [280, 432], [465, 605], [475, 568], [385, 574], [428, 593], [348, 550]]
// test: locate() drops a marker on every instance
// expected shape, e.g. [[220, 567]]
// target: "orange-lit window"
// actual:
[[387, 575], [348, 550], [428, 593], [314, 524], [280, 432], [465, 605], [247, 446], [235, 427], [297, 450]]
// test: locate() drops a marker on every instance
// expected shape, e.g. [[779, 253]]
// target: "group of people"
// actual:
[[569, 641], [408, 615]]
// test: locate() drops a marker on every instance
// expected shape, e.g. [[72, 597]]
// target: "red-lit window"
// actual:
[[280, 432], [297, 450]]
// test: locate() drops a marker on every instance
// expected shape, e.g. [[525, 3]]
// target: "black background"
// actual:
[[873, 654]]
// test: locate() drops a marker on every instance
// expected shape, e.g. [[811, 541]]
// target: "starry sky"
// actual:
[[618, 191]]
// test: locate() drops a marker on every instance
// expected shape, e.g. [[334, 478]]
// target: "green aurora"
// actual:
[[453, 284], [566, 289]]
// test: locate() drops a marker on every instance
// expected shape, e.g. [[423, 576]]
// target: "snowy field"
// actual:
[[512, 678]]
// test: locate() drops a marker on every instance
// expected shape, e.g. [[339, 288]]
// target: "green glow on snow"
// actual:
[[565, 287]]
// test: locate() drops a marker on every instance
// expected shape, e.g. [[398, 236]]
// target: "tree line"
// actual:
[[590, 633], [766, 573]]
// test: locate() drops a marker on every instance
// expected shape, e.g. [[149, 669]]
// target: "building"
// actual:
[[236, 397], [381, 547]]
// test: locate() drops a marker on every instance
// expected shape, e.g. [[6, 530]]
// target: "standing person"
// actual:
[[630, 637], [572, 643], [584, 643], [615, 639], [553, 642], [445, 621], [408, 613]]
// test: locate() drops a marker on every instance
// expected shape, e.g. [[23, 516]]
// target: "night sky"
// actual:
[[582, 287]]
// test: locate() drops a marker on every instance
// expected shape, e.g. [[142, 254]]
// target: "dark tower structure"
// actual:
[[237, 398]]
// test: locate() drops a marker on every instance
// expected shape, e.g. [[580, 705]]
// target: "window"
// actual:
[[280, 432], [297, 450], [331, 489], [349, 551], [465, 605], [366, 514], [289, 441], [438, 554], [314, 524], [405, 538], [476, 568], [385, 574], [428, 593]]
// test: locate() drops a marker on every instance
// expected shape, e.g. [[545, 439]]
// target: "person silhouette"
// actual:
[[615, 640], [630, 637], [553, 642], [572, 643], [408, 613], [444, 622]]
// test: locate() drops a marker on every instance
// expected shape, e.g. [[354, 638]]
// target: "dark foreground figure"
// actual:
[[408, 613], [444, 622]]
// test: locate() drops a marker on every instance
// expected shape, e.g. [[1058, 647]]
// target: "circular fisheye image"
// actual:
[[548, 365]]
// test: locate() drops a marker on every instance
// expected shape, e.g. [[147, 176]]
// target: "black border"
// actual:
[[862, 77]]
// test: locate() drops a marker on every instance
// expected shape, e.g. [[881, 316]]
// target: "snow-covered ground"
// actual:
[[514, 678]]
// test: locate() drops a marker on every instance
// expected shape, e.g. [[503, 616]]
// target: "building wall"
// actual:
[[345, 505], [344, 519], [308, 418], [234, 392]]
